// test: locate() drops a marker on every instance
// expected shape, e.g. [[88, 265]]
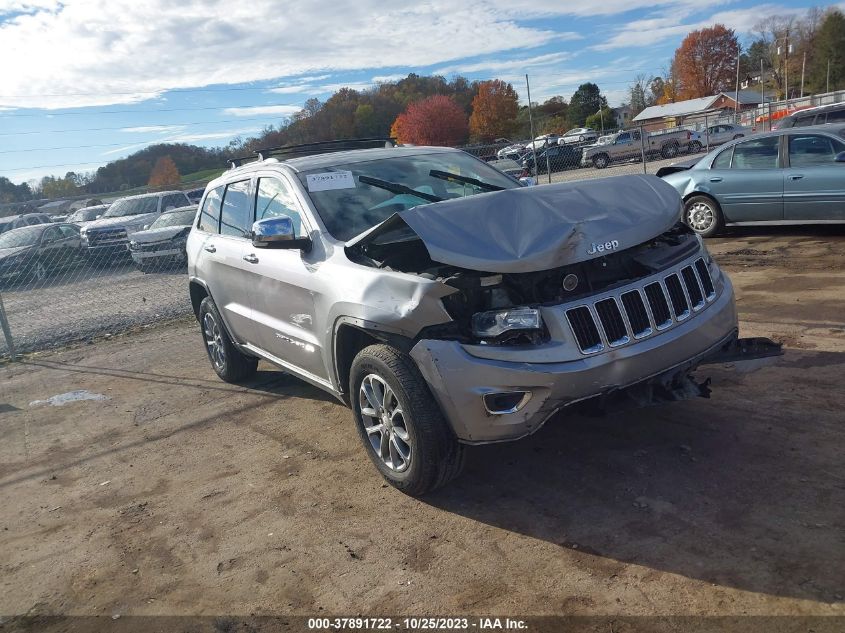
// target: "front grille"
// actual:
[[584, 328], [106, 236], [638, 313], [150, 246], [612, 322], [677, 297]]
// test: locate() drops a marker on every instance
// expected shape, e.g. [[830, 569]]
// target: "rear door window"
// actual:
[[810, 150], [723, 160], [756, 154], [836, 116], [237, 211], [210, 216]]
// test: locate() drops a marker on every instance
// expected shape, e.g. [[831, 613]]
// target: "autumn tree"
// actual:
[[494, 110], [705, 62], [436, 120], [586, 101], [164, 173]]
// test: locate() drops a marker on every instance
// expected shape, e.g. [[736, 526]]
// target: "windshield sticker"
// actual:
[[330, 180]]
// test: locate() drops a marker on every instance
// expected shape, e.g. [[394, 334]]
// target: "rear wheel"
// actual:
[[38, 273], [400, 424], [736, 136], [228, 362], [670, 150], [601, 161], [703, 215]]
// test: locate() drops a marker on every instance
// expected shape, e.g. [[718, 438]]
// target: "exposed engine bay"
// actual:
[[478, 291]]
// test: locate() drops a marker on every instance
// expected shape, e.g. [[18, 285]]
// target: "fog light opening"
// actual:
[[504, 402]]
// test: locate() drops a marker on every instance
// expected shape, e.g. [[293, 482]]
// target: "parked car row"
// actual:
[[147, 228]]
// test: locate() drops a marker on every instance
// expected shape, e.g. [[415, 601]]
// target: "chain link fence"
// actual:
[[54, 292]]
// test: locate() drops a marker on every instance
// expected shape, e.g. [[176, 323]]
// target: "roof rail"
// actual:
[[324, 147], [237, 162]]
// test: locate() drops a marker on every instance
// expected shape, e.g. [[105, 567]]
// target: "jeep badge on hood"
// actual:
[[610, 245]]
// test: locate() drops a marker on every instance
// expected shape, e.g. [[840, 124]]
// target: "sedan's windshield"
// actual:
[[349, 207], [26, 236], [175, 218], [132, 206]]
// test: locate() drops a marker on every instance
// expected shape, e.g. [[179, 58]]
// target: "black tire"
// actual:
[[694, 147], [601, 161], [232, 365], [695, 204], [670, 150], [736, 136], [435, 456], [38, 273]]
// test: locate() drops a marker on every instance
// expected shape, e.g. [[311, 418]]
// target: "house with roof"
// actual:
[[693, 111]]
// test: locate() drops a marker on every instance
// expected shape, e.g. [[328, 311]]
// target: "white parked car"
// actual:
[[578, 135], [722, 133]]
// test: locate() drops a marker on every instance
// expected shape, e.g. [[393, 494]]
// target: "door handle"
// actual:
[[716, 179], [251, 258], [796, 176], [211, 248]]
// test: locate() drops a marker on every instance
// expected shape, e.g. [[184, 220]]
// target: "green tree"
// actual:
[[587, 100], [829, 47], [602, 120]]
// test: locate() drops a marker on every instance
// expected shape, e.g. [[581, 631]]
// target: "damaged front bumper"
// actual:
[[460, 381]]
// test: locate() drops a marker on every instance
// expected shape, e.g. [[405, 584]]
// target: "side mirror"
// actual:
[[145, 227], [840, 158], [278, 232]]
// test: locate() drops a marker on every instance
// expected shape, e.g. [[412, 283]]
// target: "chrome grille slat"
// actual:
[[637, 313]]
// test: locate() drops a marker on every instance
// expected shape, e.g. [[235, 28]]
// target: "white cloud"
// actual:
[[381, 79], [497, 65], [284, 110], [212, 136], [74, 54], [144, 129]]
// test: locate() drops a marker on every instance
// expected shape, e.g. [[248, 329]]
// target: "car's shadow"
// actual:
[[714, 492]]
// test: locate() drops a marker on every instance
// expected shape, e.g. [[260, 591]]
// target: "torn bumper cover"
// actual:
[[460, 381]]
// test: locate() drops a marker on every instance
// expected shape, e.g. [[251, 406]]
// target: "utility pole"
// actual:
[[762, 92], [803, 64], [736, 93], [531, 125], [828, 75]]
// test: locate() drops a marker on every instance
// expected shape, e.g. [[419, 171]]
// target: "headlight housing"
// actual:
[[496, 322]]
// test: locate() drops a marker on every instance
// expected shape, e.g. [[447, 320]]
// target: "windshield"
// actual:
[[87, 214], [175, 218], [26, 236], [132, 206], [349, 207]]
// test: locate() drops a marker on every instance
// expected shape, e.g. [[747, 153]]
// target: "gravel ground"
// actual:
[[180, 494]]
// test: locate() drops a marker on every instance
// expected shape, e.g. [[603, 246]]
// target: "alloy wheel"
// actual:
[[214, 340], [700, 216], [384, 422]]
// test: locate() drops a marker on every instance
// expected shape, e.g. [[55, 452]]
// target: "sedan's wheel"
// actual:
[[703, 215], [227, 361], [601, 161], [582, 138], [736, 136], [400, 424], [39, 272]]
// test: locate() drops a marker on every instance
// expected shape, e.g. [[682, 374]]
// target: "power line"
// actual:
[[142, 92]]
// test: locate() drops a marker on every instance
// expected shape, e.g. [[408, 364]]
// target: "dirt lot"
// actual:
[[180, 494]]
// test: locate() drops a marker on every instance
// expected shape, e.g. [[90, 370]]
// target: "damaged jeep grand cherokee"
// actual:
[[446, 303]]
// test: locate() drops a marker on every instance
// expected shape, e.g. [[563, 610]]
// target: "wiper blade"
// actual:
[[445, 175], [395, 187]]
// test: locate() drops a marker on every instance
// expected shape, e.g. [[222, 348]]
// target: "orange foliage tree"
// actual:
[[436, 120], [705, 63], [164, 173], [494, 110]]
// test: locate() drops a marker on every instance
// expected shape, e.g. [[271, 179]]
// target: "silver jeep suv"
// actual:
[[446, 303]]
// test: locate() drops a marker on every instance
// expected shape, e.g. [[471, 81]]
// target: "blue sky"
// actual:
[[86, 82]]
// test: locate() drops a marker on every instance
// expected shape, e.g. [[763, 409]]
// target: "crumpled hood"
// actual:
[[126, 220], [543, 227], [157, 235]]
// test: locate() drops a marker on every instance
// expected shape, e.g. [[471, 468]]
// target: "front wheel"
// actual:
[[228, 362], [703, 215], [401, 426], [601, 161], [694, 147]]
